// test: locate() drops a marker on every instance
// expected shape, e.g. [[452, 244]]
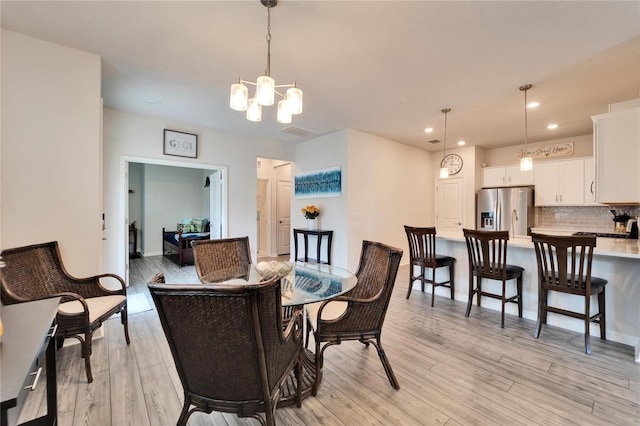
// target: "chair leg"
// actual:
[[318, 361], [479, 290], [452, 279], [541, 297], [386, 364], [422, 277], [86, 353], [184, 414], [519, 291], [433, 286], [587, 322], [124, 319], [504, 302], [471, 292], [603, 321], [410, 281]]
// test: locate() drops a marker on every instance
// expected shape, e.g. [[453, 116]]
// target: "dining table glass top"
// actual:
[[304, 283]]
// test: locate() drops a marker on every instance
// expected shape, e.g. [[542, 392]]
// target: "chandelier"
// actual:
[[526, 162], [444, 171], [291, 102]]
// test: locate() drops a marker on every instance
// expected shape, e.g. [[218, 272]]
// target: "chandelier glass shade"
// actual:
[[526, 162], [266, 88]]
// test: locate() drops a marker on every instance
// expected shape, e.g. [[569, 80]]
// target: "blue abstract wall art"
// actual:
[[318, 183]]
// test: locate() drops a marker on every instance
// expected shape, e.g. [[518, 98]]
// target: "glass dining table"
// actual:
[[300, 285]]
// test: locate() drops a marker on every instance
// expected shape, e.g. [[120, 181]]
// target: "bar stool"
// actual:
[[564, 265], [488, 259], [422, 253]]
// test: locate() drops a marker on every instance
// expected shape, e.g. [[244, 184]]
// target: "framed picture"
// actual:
[[180, 144], [318, 183]]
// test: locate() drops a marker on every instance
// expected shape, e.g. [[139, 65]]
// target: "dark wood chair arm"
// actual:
[[291, 330]]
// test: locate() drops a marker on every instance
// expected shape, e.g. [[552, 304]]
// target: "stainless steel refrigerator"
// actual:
[[505, 209]]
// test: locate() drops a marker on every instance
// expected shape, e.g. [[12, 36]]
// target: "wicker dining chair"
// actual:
[[213, 255], [230, 346], [422, 254], [487, 252], [358, 314], [564, 266], [36, 272]]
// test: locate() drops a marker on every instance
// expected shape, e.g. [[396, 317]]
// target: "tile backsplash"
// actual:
[[583, 218]]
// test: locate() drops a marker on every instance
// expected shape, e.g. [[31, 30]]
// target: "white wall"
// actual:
[[131, 135], [172, 194], [51, 149], [321, 153], [390, 185]]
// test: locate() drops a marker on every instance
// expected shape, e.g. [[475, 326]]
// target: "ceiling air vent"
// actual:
[[297, 131], [434, 141]]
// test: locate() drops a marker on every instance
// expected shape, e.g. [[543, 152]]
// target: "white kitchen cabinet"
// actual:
[[559, 183], [616, 150], [506, 176], [590, 183]]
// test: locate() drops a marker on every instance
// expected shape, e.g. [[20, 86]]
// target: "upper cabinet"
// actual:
[[559, 183], [506, 176], [616, 150], [590, 183]]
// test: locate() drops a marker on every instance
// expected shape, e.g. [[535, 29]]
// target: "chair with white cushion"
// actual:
[[359, 313], [36, 272]]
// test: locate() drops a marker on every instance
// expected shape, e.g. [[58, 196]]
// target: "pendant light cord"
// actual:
[[444, 143], [268, 71]]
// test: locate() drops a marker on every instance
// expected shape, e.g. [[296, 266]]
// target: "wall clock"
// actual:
[[453, 163]]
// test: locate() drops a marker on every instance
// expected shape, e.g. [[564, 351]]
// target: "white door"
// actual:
[[283, 213], [215, 206], [449, 199]]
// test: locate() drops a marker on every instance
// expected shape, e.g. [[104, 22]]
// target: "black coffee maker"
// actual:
[[620, 222]]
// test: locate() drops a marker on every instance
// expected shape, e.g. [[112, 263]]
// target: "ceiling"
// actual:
[[382, 67]]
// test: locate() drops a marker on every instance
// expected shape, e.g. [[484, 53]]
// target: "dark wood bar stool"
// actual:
[[488, 259], [564, 265], [422, 253]]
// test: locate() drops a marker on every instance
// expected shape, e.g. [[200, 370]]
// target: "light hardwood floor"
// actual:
[[452, 370]]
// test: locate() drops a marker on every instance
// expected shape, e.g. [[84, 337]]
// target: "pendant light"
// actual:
[[444, 171], [526, 162], [291, 102]]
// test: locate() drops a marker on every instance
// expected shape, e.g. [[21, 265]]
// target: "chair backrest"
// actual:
[[422, 245], [564, 262], [376, 277], [36, 271], [226, 341], [487, 252], [213, 255]]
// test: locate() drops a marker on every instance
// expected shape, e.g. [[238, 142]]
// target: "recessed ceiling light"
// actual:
[[428, 129], [461, 143], [154, 102], [533, 104], [552, 126]]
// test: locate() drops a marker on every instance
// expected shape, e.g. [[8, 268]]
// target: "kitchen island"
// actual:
[[616, 260]]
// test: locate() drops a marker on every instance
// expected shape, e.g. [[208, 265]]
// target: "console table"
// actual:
[[319, 233], [28, 332]]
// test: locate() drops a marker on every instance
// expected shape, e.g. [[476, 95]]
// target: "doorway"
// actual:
[[213, 202], [273, 207]]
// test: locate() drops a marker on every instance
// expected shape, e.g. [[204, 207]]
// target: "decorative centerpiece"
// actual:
[[267, 270], [311, 213]]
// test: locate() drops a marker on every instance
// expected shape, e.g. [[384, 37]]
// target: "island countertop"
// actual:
[[618, 247]]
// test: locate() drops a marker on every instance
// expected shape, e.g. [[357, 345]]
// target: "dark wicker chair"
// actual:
[[230, 346], [213, 255], [487, 252], [359, 313], [422, 254], [36, 272], [564, 265]]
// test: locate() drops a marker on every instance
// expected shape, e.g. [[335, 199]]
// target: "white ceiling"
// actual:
[[383, 67]]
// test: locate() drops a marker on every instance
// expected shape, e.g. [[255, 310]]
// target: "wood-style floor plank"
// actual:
[[452, 371]]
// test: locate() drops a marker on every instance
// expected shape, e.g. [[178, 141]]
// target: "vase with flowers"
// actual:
[[311, 213]]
